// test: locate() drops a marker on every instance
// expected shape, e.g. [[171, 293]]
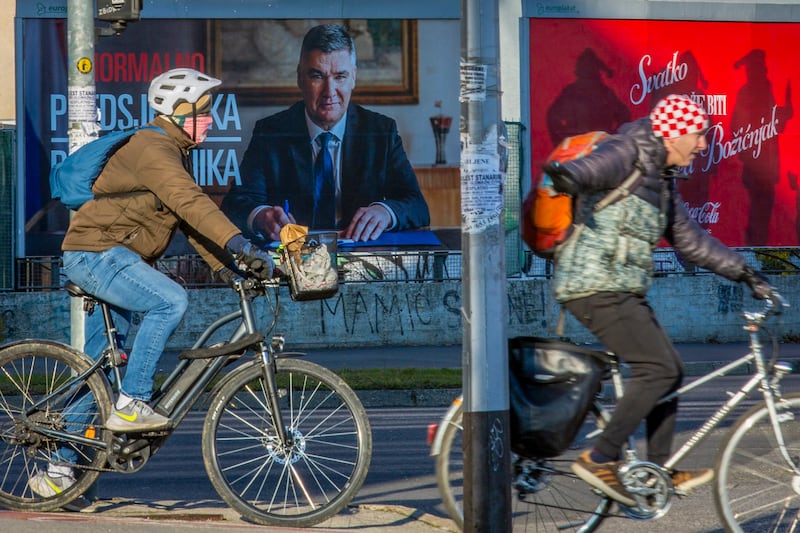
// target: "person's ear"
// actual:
[[668, 145]]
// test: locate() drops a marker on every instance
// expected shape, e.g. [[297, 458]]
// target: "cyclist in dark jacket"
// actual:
[[602, 277]]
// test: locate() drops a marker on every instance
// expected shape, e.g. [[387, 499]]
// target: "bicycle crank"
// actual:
[[651, 487]]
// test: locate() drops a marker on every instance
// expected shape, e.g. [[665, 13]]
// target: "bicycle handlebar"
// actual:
[[776, 303], [772, 306]]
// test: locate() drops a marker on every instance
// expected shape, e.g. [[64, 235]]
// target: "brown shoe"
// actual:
[[602, 476], [686, 480]]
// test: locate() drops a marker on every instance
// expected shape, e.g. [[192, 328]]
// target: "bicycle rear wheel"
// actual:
[[756, 488], [549, 497], [299, 483], [32, 372]]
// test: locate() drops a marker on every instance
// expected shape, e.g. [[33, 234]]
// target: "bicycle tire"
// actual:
[[562, 503], [755, 490], [450, 466], [31, 370], [322, 470]]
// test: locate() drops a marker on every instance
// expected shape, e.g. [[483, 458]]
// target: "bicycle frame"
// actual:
[[180, 402], [761, 379]]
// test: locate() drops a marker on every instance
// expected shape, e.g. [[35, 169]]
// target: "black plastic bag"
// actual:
[[551, 385]]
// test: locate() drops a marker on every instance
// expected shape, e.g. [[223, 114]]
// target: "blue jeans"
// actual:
[[121, 278]]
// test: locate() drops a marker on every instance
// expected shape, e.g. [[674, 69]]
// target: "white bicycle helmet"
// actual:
[[177, 86]]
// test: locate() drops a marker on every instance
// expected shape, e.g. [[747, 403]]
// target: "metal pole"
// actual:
[[82, 108], [487, 468], [83, 128]]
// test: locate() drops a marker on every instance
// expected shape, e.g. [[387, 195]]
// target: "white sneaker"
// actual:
[[48, 485], [135, 417]]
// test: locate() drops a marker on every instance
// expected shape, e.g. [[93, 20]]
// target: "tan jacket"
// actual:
[[155, 168]]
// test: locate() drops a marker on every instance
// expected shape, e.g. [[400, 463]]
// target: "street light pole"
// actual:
[[83, 127], [487, 468], [82, 109]]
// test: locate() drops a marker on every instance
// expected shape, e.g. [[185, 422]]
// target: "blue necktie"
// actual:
[[324, 190]]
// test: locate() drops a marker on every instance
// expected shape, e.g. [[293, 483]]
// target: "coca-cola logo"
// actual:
[[708, 213]]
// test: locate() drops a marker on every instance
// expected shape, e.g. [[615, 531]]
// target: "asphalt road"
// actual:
[[172, 492]]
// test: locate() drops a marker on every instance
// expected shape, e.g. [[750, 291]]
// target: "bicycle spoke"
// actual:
[[756, 489], [42, 402]]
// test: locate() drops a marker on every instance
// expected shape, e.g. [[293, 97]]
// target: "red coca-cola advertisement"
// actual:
[[588, 74]]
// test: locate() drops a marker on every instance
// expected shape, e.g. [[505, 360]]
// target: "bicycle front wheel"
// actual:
[[549, 497], [38, 401], [757, 487], [297, 483]]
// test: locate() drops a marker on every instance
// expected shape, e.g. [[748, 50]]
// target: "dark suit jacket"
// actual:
[[278, 166]]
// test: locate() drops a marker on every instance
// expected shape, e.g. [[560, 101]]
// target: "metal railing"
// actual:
[[42, 273]]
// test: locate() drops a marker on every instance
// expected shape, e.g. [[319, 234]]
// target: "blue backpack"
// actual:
[[71, 180]]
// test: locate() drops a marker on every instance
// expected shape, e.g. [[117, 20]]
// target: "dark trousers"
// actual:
[[626, 325]]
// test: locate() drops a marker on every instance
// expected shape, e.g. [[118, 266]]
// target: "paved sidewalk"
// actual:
[[120, 515]]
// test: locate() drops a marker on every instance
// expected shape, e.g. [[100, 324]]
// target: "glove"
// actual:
[[251, 258], [563, 181], [758, 283], [227, 275]]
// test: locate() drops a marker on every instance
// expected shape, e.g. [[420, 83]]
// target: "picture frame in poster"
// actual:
[[257, 59]]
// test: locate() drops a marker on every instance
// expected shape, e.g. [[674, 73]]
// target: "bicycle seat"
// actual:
[[76, 291]]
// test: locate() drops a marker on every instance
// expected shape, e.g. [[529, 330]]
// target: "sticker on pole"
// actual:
[[473, 82], [84, 65], [482, 184]]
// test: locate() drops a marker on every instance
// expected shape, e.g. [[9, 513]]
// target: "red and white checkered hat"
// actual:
[[677, 115]]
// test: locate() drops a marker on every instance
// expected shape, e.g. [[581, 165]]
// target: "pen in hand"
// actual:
[[287, 214]]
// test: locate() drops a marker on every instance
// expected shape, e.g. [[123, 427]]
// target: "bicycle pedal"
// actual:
[[156, 433]]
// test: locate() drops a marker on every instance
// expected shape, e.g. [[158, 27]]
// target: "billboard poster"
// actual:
[[123, 66], [602, 73]]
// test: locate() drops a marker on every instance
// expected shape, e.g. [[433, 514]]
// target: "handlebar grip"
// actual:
[[775, 303]]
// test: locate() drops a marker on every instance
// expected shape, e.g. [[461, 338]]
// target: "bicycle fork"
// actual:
[[268, 369]]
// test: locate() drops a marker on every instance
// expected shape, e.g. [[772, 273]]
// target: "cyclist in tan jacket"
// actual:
[[144, 194]]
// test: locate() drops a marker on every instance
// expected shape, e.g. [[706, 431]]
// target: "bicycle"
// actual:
[[757, 473], [285, 442]]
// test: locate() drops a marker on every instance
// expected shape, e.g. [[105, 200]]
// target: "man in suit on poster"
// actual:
[[325, 162]]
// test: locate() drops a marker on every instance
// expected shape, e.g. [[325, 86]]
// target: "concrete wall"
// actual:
[[701, 308]]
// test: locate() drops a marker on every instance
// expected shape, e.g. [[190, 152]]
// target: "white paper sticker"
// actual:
[[82, 104], [473, 82], [481, 184]]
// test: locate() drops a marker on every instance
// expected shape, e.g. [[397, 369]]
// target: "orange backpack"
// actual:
[[547, 220]]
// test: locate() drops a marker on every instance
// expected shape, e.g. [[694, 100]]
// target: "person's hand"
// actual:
[[758, 283], [563, 181], [368, 223], [227, 275], [270, 220], [251, 258]]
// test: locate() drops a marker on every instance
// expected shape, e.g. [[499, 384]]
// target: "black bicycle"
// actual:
[[285, 441]]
